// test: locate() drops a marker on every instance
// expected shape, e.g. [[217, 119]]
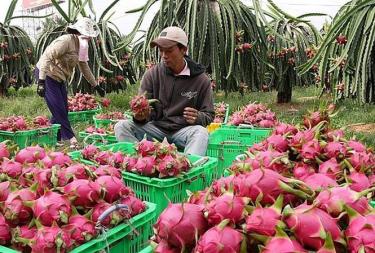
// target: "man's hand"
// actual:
[[41, 88], [190, 115], [100, 90]]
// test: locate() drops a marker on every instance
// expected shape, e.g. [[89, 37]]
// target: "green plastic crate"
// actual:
[[162, 190], [372, 203], [120, 239], [42, 136], [148, 249], [227, 143], [83, 116], [97, 139], [105, 122]]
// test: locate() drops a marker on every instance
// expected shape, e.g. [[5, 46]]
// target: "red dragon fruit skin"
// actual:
[[281, 243], [361, 161], [4, 190], [227, 206], [168, 166], [311, 150], [332, 200], [11, 168], [180, 224], [146, 166], [20, 233], [78, 171], [146, 148], [263, 220], [330, 168], [4, 152], [113, 187], [30, 154], [303, 170], [14, 210], [86, 193], [56, 158], [335, 149], [200, 197], [135, 204], [328, 246], [283, 128], [80, 228], [4, 231], [222, 184], [51, 240], [220, 239], [164, 247], [52, 207], [128, 163], [356, 146], [359, 181], [318, 181], [108, 170], [89, 152], [111, 220], [360, 232], [278, 142]]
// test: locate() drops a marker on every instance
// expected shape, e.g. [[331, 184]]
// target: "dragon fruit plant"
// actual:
[[254, 114], [82, 102], [51, 204]]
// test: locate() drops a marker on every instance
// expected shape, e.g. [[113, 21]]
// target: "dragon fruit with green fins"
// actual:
[[221, 239], [146, 148], [5, 235], [135, 204], [145, 166], [226, 207], [319, 182], [51, 240], [358, 181], [89, 152], [180, 225], [30, 154], [113, 188], [107, 170], [128, 163], [84, 193], [80, 228], [15, 210], [328, 246], [331, 168], [111, 220], [164, 247], [140, 105], [11, 168], [333, 200], [22, 236], [280, 243], [360, 232], [52, 207], [56, 158], [303, 170], [263, 220], [4, 152]]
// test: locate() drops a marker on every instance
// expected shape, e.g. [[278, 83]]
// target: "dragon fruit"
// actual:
[[4, 231], [108, 170], [43, 180], [22, 236], [335, 149], [78, 171], [128, 163], [80, 228], [227, 206], [140, 105], [41, 121], [361, 161], [145, 166], [15, 211], [278, 142], [220, 239], [85, 192], [281, 243], [332, 200], [200, 197], [263, 221], [311, 150], [318, 222], [168, 166], [181, 224], [4, 152], [112, 219], [4, 190], [360, 232], [89, 152], [11, 168], [164, 148], [318, 181], [358, 181], [146, 148], [52, 207], [356, 146], [164, 247], [330, 168], [56, 158], [103, 157], [135, 204], [222, 184], [283, 128], [30, 154], [303, 170], [51, 240], [116, 159], [328, 246], [113, 188]]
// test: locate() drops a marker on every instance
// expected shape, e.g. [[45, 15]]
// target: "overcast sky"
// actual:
[[126, 22]]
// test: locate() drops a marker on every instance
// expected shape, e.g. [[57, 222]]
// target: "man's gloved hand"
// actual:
[[41, 88], [100, 90]]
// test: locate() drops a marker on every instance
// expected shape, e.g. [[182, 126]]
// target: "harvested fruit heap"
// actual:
[[220, 112], [301, 190], [19, 123], [82, 102], [254, 114], [50, 203], [111, 116], [152, 159], [100, 130]]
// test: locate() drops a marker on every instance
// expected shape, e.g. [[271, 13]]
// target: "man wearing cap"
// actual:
[[185, 98], [55, 67]]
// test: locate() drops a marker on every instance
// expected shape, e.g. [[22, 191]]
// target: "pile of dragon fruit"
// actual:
[[254, 114], [19, 123], [100, 130], [152, 159], [111, 116], [82, 102], [51, 204], [220, 112], [303, 189]]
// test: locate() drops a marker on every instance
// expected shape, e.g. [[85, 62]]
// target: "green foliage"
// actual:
[[215, 30], [112, 69], [346, 55]]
